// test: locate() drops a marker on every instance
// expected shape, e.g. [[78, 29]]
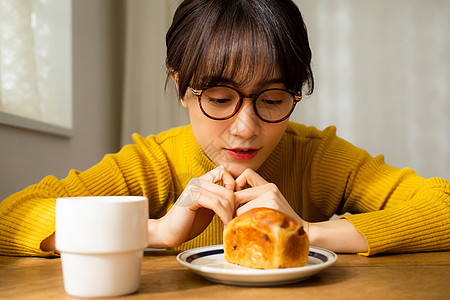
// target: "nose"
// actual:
[[246, 123]]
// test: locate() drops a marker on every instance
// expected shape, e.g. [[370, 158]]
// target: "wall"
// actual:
[[148, 107], [27, 156], [382, 74]]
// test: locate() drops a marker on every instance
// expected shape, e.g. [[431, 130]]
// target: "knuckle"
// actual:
[[215, 174], [211, 174], [248, 171], [272, 187]]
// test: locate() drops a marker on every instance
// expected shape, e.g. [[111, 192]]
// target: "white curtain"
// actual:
[[27, 85], [147, 107], [381, 69]]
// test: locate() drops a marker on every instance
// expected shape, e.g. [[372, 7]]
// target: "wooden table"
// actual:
[[402, 276]]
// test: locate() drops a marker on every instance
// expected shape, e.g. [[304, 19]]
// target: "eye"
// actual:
[[271, 101], [218, 100], [274, 98]]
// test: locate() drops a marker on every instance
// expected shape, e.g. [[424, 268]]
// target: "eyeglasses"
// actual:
[[222, 102]]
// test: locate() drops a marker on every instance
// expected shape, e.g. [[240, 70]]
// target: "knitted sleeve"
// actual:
[[395, 209], [28, 217], [414, 216]]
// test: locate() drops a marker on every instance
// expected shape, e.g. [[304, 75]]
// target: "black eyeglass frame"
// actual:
[[199, 92]]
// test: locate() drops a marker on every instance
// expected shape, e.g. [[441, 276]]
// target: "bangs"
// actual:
[[243, 42], [239, 53]]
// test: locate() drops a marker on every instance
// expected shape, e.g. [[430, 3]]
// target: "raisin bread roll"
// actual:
[[264, 238]]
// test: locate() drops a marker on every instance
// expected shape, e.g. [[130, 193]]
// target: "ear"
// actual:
[[174, 76], [183, 103]]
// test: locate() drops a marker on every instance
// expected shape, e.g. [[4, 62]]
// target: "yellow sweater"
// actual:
[[317, 172]]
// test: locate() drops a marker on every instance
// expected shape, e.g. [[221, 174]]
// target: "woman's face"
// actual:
[[241, 142]]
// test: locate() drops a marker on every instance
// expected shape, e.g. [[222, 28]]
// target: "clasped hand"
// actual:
[[203, 197]]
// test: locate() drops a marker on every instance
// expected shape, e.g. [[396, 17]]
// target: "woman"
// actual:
[[240, 67]]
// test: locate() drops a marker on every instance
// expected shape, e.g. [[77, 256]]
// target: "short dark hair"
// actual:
[[210, 40]]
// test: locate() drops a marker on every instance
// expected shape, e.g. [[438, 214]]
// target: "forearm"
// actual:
[[155, 234], [168, 231], [176, 227], [337, 235]]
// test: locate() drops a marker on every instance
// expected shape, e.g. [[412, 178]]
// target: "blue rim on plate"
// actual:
[[209, 262]]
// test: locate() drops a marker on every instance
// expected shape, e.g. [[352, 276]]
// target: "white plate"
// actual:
[[209, 262]]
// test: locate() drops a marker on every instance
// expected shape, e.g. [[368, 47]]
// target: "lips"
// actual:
[[242, 154]]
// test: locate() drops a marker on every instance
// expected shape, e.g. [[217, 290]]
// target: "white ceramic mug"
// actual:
[[101, 241]]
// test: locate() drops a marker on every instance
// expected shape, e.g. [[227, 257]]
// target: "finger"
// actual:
[[228, 180], [200, 193], [220, 174], [249, 177], [267, 190], [222, 208], [261, 202], [257, 197], [197, 188], [224, 196], [251, 205], [267, 195]]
